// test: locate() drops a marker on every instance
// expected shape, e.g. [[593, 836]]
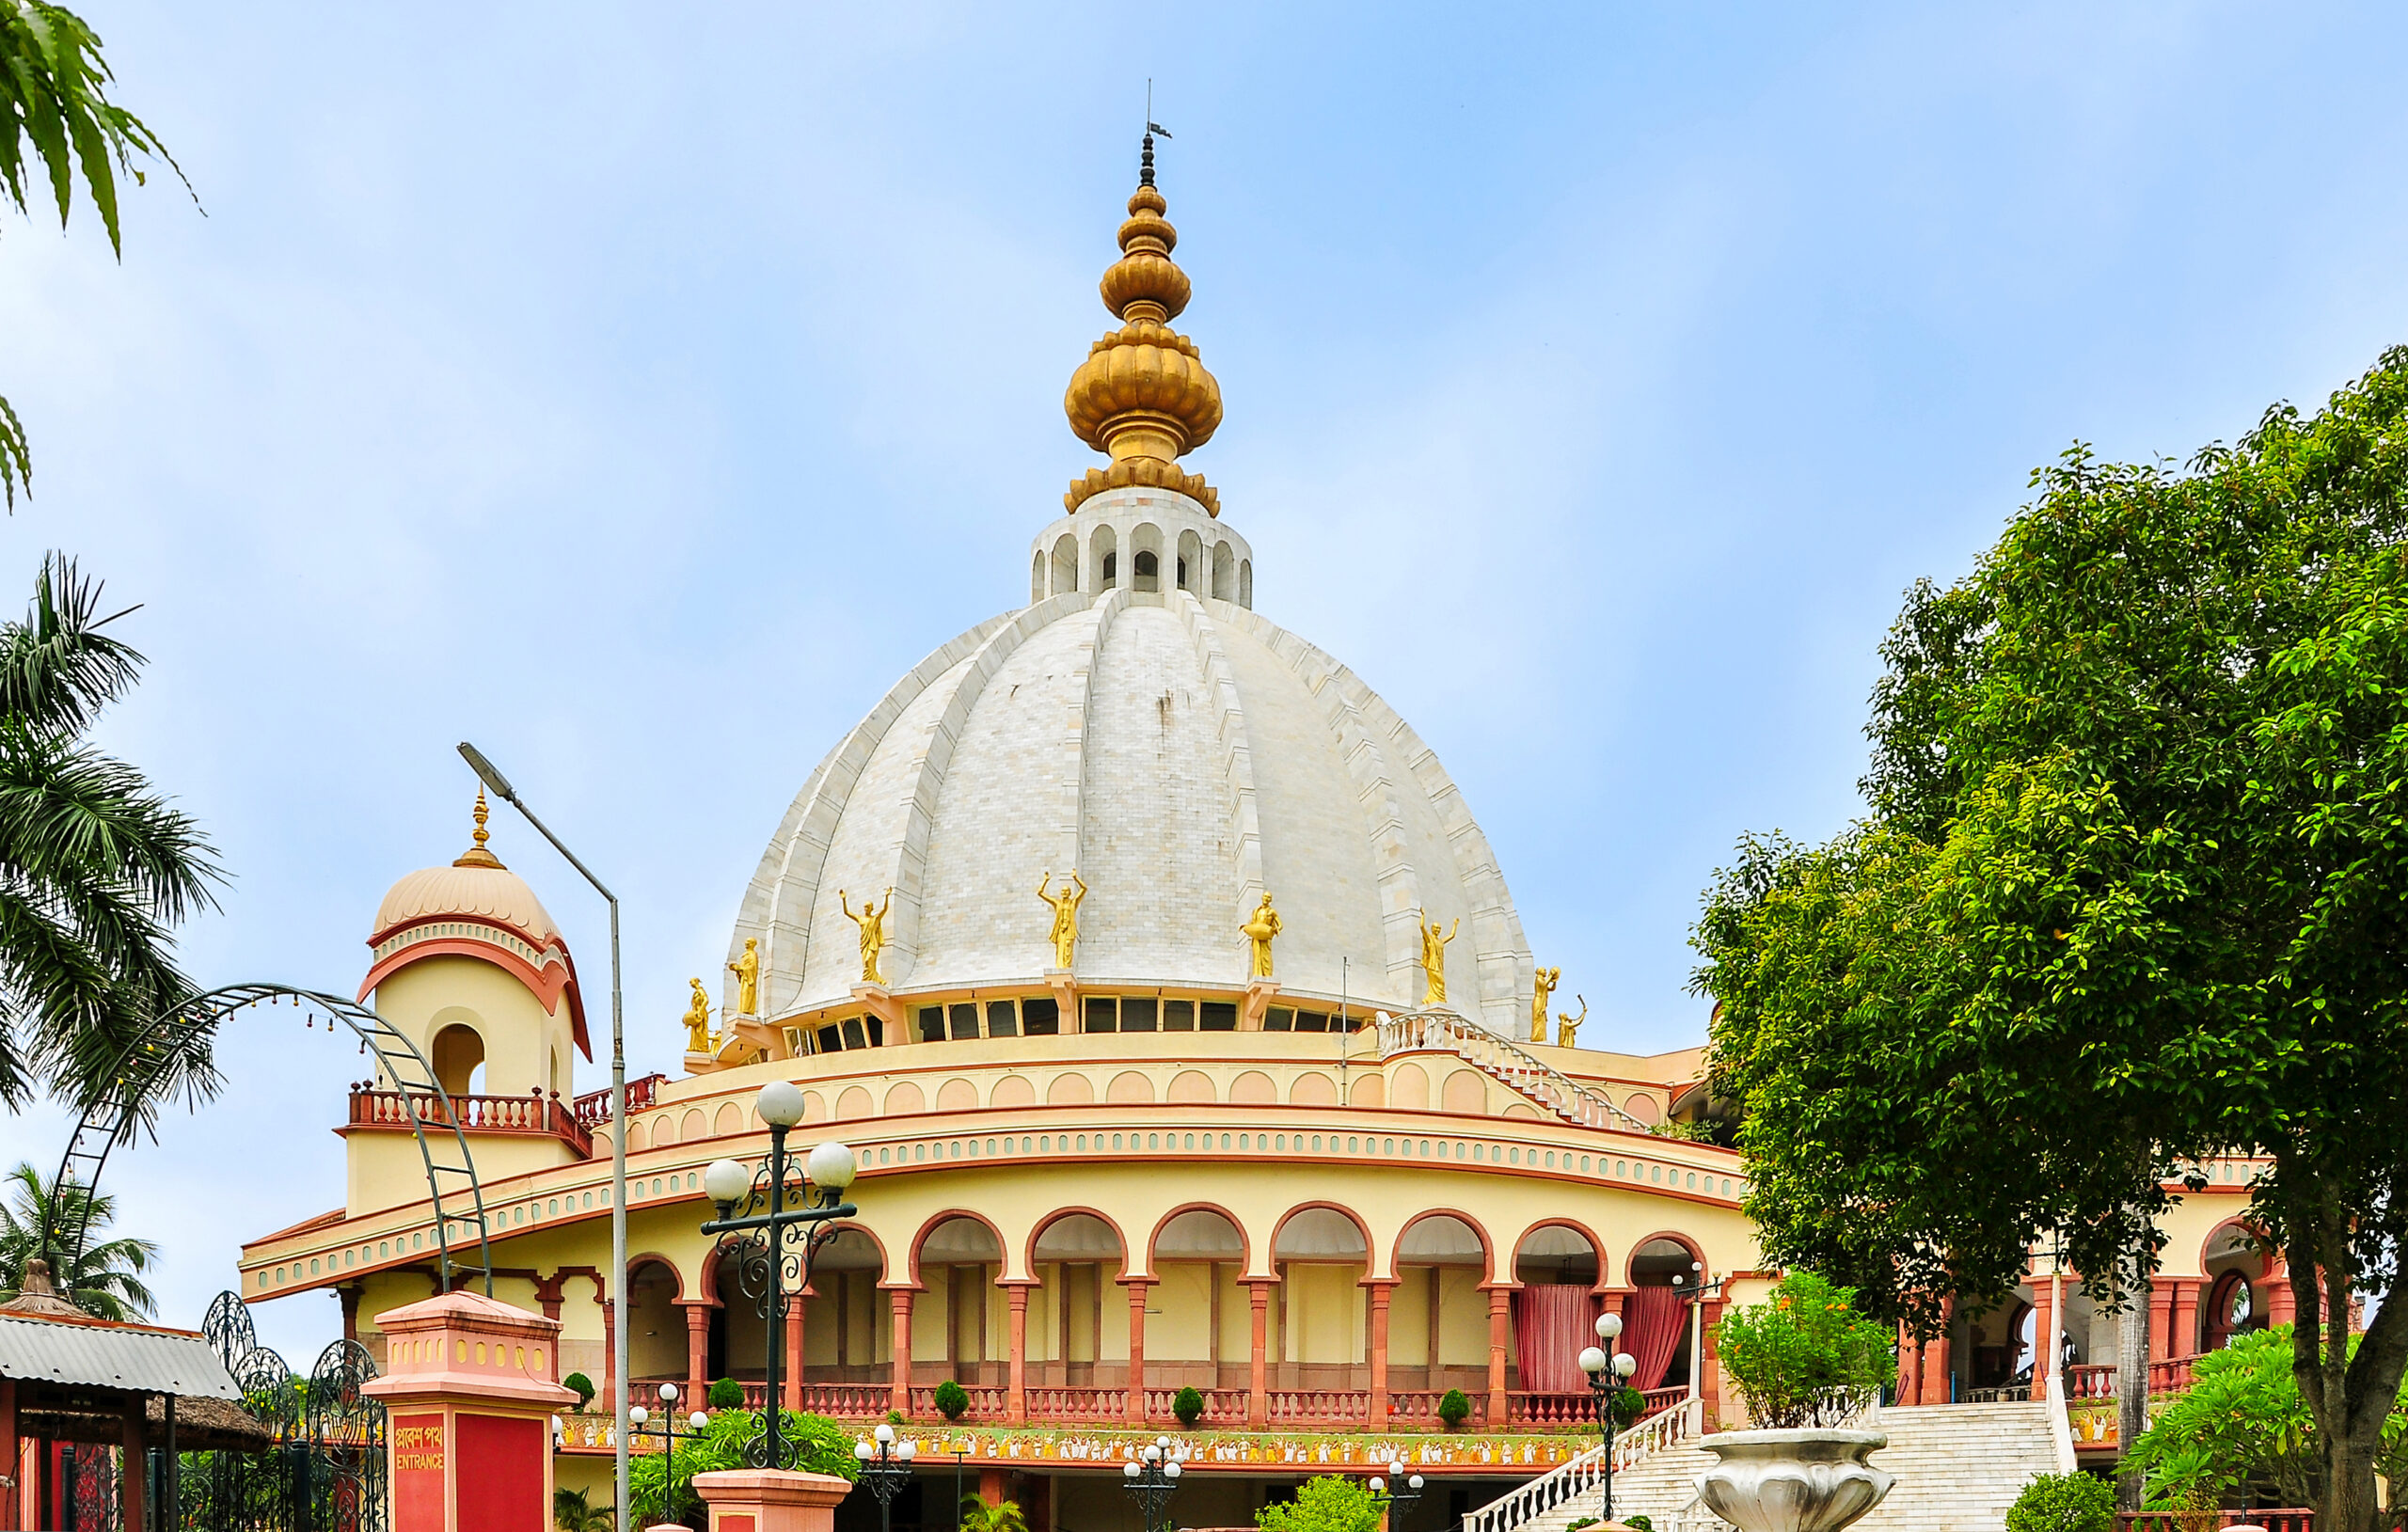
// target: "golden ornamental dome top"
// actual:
[[1142, 395]]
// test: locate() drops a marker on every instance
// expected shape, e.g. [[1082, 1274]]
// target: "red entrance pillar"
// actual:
[[1935, 1387], [770, 1500], [1909, 1366], [2044, 1334], [1499, 1320], [899, 1393], [698, 1352], [1258, 1401], [2160, 1318], [469, 1399], [2186, 1317], [1379, 1413], [1016, 1391], [794, 1349], [1136, 1389]]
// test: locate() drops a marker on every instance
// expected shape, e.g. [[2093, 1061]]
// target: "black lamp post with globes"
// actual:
[[886, 1467], [1607, 1377], [1153, 1479], [1396, 1493]]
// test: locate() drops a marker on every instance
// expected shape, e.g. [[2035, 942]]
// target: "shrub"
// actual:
[[1188, 1405], [1583, 1521], [1639, 1523], [1623, 1407], [726, 1393], [661, 1488], [1327, 1504], [953, 1400], [583, 1386], [1805, 1355], [1454, 1408], [2063, 1503], [1004, 1516]]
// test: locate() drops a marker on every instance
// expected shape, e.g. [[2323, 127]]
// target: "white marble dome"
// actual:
[[1182, 753]]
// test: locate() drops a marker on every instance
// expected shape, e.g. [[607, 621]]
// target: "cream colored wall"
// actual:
[[520, 1037], [1325, 1313]]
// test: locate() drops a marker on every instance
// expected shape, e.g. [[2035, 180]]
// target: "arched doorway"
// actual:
[[1656, 1315], [1075, 1258], [1554, 1309], [655, 1325], [1438, 1320], [845, 1323], [2236, 1305], [1322, 1315], [1199, 1328], [959, 1305]]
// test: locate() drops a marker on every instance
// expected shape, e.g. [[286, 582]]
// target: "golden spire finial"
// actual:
[[1143, 394], [477, 856]]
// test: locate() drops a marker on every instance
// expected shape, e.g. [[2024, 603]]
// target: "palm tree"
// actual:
[[95, 867], [104, 1279], [54, 93], [573, 1512], [1004, 1516]]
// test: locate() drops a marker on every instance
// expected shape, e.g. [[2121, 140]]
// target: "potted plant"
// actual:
[[1188, 1405], [1804, 1361], [581, 1385], [726, 1393], [1453, 1409]]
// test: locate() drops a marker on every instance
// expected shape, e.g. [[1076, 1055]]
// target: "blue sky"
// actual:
[[639, 392]]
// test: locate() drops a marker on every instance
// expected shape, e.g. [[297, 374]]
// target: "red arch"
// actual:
[[1697, 1252], [2265, 1258], [1487, 1246], [884, 1261], [1245, 1245], [1371, 1247], [1003, 1246], [654, 1258], [1514, 1256], [1060, 1213]]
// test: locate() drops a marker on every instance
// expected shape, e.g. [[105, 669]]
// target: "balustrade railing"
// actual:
[[2288, 1519], [2098, 1379], [1081, 1405], [1222, 1406], [594, 1108], [2090, 1381], [1585, 1474], [856, 1401], [1532, 1409], [533, 1113], [1419, 1407], [1502, 1060], [1318, 1406], [987, 1403]]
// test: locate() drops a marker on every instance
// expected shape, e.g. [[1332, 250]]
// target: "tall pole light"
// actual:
[[1153, 1479], [1607, 1377], [499, 786], [886, 1467], [1398, 1491]]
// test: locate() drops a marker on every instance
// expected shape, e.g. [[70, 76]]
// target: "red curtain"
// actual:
[[1550, 1326], [1651, 1319]]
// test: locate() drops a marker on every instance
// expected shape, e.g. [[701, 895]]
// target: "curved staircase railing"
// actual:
[[1585, 1474], [1503, 1060]]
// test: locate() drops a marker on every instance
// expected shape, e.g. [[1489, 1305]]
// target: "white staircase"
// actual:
[[1572, 1491], [1497, 1057], [1958, 1468]]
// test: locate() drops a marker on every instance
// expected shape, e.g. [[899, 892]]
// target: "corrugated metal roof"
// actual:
[[105, 1356]]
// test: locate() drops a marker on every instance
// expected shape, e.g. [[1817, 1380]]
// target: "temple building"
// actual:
[[1184, 1026]]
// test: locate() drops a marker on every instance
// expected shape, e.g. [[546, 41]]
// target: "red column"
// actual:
[[609, 1348], [698, 1353], [1934, 1389], [135, 1480], [2161, 1320], [1909, 1367], [1016, 1395], [1258, 1403], [898, 1396], [2044, 1328], [2282, 1304], [1136, 1389], [794, 1350], [1378, 1418], [1710, 1370], [2186, 1317], [1499, 1319], [11, 1460]]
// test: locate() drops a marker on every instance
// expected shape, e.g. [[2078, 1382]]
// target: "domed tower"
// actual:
[[469, 965], [1137, 722]]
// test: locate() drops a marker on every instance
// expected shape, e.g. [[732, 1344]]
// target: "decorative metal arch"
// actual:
[[160, 1056]]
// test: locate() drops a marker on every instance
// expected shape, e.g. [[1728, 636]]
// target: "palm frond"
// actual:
[[57, 669], [16, 457]]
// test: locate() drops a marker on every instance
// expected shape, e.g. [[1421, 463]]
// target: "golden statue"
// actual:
[[1568, 1025], [872, 920], [697, 1020], [747, 969], [1542, 984], [1066, 914], [1259, 929], [1433, 960]]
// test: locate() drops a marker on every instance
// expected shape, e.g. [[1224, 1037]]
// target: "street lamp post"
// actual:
[[638, 1418], [886, 1467], [491, 776], [778, 1199], [1397, 1492], [1153, 1479], [1607, 1377]]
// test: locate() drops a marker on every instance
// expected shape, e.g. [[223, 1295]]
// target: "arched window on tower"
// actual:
[[458, 1054], [1149, 571], [1225, 573], [1245, 583]]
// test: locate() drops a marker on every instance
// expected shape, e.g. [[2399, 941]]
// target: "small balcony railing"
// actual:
[[594, 1108], [1222, 1406], [2097, 1380], [533, 1113]]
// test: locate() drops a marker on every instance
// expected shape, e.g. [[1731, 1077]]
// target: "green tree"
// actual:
[[2241, 1430], [977, 1515], [1327, 1504], [2062, 1503], [660, 1488], [53, 99], [105, 1278], [2131, 893], [95, 867], [1805, 1356], [572, 1511]]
